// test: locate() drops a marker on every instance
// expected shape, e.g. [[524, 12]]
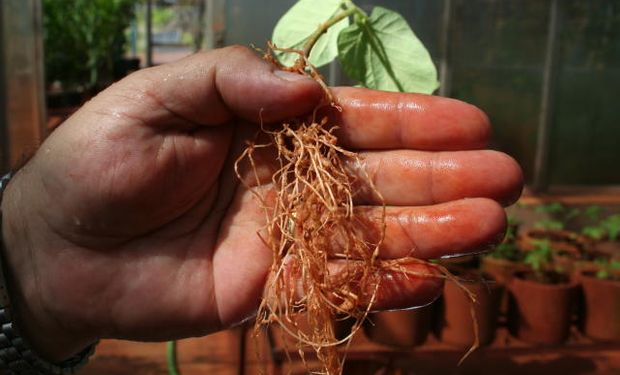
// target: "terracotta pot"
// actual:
[[502, 270], [609, 248], [601, 307], [588, 262], [404, 328], [343, 327], [457, 326], [299, 323], [564, 262], [461, 262], [367, 366], [541, 313], [581, 266]]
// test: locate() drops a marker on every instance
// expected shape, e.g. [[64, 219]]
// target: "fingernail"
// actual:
[[289, 76]]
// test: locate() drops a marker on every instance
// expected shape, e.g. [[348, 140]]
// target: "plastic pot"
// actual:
[[502, 270], [610, 248], [457, 325], [601, 307], [541, 313], [404, 328]]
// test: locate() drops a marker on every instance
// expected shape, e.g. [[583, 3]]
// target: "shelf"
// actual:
[[506, 355]]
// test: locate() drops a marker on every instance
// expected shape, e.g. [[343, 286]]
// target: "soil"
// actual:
[[545, 277], [611, 277]]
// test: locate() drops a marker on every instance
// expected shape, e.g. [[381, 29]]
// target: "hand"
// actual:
[[129, 222]]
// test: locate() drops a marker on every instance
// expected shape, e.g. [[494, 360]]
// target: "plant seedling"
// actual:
[[313, 208], [608, 269], [607, 228], [377, 50], [541, 260], [612, 226], [314, 205], [539, 257], [83, 39], [596, 232], [513, 225], [593, 212], [560, 214], [508, 249], [549, 224]]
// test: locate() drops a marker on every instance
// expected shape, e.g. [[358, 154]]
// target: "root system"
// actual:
[[324, 267]]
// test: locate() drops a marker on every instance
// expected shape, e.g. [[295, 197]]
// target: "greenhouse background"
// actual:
[[502, 56], [547, 73]]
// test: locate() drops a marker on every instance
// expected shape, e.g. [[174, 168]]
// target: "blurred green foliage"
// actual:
[[509, 249], [607, 228], [83, 39], [539, 258], [608, 269], [163, 16]]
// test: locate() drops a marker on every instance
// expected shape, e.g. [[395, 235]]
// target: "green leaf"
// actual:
[[540, 255], [612, 226], [382, 52], [303, 19], [593, 212], [594, 232], [549, 224], [551, 208], [507, 250]]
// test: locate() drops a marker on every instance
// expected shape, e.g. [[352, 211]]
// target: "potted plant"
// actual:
[[603, 243], [553, 228], [541, 300], [84, 46], [473, 294], [404, 328], [601, 301], [605, 237], [507, 258]]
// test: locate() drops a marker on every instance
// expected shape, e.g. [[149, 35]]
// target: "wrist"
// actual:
[[45, 333]]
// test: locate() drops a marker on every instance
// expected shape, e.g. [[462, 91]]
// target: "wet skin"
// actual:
[[130, 223]]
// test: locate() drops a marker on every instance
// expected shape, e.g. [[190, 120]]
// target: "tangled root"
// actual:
[[311, 222]]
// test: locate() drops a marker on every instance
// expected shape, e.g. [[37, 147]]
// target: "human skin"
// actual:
[[129, 221]]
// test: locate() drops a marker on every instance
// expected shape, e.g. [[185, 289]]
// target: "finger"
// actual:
[[413, 178], [402, 283], [383, 120], [449, 229], [394, 284], [209, 89]]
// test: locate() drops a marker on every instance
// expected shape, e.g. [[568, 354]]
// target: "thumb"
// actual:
[[210, 88]]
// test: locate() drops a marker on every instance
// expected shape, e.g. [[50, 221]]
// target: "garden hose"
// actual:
[[171, 358]]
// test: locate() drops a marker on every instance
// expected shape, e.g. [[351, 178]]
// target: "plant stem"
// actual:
[[349, 10], [171, 358]]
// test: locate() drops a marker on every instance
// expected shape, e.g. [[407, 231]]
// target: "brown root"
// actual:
[[310, 211]]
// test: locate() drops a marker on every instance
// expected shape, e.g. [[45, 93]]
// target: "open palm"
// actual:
[[131, 222]]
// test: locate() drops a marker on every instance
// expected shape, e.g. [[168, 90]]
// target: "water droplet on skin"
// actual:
[[445, 219]]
